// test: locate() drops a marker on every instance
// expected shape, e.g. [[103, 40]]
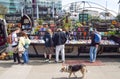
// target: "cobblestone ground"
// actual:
[[37, 69]]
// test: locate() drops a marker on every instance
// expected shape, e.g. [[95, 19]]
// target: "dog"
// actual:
[[3, 56], [72, 69]]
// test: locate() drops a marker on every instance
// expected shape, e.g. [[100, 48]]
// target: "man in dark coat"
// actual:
[[59, 39]]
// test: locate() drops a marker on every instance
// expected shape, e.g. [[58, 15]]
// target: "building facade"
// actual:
[[34, 8], [49, 8], [13, 6]]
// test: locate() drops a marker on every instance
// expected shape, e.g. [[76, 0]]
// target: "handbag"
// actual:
[[27, 43], [21, 49]]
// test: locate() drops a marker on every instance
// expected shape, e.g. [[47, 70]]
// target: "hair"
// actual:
[[15, 28], [59, 29], [49, 31], [23, 34], [95, 30]]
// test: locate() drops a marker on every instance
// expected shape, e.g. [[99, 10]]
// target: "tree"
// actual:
[[3, 10], [40, 21], [67, 23]]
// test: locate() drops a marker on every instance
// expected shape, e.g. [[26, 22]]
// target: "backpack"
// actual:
[[97, 38], [9, 39]]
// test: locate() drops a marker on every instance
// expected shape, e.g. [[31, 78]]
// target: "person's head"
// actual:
[[17, 29], [46, 25], [23, 34], [94, 30], [49, 31], [59, 29]]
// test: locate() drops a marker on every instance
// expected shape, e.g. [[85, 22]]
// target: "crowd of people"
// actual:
[[19, 42], [56, 40]]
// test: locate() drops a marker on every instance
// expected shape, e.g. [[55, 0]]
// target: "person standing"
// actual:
[[23, 46], [95, 41], [59, 39], [48, 45], [15, 42]]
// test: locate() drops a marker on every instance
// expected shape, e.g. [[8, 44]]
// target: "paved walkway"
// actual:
[[36, 69]]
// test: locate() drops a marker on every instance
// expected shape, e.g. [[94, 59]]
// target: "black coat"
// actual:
[[59, 38], [48, 40]]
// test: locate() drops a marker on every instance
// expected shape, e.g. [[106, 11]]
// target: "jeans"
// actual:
[[25, 56], [93, 52], [60, 48]]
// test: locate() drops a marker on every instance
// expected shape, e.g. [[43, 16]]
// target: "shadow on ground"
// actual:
[[37, 62], [10, 63], [6, 64], [68, 78]]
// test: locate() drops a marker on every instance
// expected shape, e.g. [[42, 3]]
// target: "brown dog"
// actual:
[[72, 69]]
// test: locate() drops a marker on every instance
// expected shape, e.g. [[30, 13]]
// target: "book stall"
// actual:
[[78, 38], [77, 45]]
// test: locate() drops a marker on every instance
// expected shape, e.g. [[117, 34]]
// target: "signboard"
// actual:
[[26, 22], [83, 17], [13, 18]]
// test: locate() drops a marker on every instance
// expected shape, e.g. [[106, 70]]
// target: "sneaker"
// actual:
[[56, 62], [19, 62], [92, 61], [47, 60], [50, 61]]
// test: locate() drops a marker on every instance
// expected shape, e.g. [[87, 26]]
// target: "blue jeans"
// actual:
[[93, 52], [25, 56]]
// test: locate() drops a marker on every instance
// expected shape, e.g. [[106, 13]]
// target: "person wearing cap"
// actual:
[[59, 40], [95, 41]]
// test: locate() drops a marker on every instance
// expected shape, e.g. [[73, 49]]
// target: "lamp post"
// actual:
[[119, 7], [53, 7], [83, 11], [37, 9], [22, 4], [106, 13]]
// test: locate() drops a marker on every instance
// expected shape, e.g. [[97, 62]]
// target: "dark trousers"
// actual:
[[16, 57]]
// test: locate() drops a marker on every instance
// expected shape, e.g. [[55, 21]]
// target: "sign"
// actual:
[[26, 22], [83, 17], [13, 18]]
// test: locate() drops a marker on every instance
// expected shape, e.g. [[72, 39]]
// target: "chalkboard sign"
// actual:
[[26, 23]]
